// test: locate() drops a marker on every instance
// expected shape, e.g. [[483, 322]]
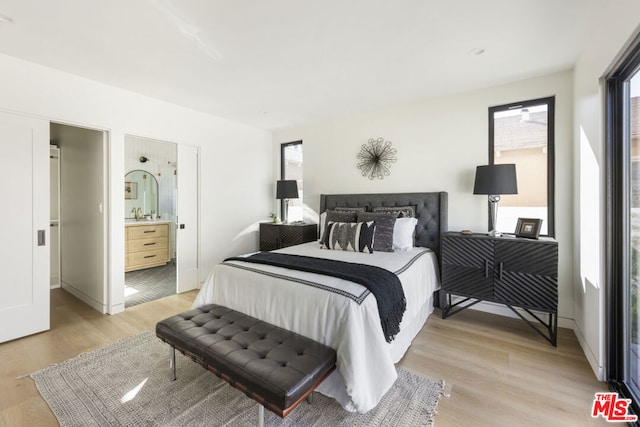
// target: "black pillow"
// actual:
[[400, 211], [384, 222], [347, 209]]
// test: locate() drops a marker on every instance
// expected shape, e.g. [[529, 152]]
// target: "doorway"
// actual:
[[81, 224], [150, 216], [623, 227]]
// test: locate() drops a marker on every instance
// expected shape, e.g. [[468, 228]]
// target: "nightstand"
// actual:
[[515, 272], [276, 236]]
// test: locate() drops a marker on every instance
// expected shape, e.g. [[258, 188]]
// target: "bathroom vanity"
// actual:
[[147, 244]]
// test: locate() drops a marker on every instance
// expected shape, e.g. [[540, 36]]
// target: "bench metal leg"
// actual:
[[260, 415], [172, 363], [310, 398]]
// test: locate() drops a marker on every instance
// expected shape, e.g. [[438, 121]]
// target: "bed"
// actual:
[[339, 313]]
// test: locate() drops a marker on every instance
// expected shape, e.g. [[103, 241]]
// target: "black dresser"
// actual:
[[519, 273], [276, 236]]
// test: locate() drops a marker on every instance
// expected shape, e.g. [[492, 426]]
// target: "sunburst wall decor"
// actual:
[[375, 158]]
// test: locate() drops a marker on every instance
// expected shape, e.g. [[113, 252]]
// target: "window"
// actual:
[[623, 228], [522, 133], [291, 168]]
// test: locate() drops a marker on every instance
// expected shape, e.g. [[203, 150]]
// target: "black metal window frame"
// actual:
[[283, 146], [617, 225], [550, 101]]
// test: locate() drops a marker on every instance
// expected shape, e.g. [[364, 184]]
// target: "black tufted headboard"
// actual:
[[431, 211]]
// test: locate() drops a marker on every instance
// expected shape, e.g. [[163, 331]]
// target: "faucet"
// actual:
[[133, 212]]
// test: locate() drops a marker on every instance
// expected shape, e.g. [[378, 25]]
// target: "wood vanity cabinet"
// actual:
[[147, 245]]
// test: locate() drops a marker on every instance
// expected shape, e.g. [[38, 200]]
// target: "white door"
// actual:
[[187, 218], [24, 252]]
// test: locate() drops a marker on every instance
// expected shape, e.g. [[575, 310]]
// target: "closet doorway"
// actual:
[[77, 222]]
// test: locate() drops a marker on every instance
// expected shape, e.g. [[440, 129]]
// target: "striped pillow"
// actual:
[[350, 236], [384, 223], [333, 216]]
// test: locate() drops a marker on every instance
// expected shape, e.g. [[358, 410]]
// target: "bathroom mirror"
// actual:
[[140, 191]]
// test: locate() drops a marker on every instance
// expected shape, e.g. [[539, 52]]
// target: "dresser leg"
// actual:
[[554, 332], [444, 302]]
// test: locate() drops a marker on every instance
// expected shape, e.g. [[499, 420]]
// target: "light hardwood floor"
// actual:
[[502, 373], [498, 372]]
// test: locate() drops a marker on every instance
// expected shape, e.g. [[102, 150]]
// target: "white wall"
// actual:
[[440, 142], [236, 177], [617, 24]]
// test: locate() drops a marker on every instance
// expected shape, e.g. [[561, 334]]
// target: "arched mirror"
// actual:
[[140, 194]]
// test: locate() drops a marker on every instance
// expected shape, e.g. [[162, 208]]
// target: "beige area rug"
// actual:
[[128, 384]]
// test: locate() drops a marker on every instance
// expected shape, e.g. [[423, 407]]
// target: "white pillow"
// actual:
[[403, 232], [323, 222]]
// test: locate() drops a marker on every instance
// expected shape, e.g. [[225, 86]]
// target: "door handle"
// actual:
[[500, 265], [41, 238], [181, 226], [486, 268]]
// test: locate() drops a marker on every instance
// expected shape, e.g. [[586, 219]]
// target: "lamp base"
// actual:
[[285, 217], [494, 199]]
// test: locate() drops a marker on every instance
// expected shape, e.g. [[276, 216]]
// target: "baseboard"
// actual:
[[102, 308], [597, 368], [115, 309]]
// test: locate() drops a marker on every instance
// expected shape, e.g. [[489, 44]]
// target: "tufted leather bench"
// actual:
[[275, 367]]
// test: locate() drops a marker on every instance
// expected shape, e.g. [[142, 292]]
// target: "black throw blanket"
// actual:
[[383, 284]]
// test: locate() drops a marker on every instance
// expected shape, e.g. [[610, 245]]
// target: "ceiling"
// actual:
[[280, 63]]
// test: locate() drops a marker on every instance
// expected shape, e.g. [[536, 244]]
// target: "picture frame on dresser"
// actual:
[[528, 228]]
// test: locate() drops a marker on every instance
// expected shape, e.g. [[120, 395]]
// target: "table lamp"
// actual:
[[285, 190], [495, 180]]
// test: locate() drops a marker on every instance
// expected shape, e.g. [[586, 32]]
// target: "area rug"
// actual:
[[128, 384]]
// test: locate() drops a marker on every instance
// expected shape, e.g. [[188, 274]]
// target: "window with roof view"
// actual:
[[522, 133]]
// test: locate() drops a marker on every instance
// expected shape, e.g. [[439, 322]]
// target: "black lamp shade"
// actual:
[[496, 179], [287, 189]]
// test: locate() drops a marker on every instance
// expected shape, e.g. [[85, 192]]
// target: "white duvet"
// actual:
[[282, 297]]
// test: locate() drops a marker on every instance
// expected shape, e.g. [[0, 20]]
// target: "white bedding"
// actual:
[[365, 361]]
